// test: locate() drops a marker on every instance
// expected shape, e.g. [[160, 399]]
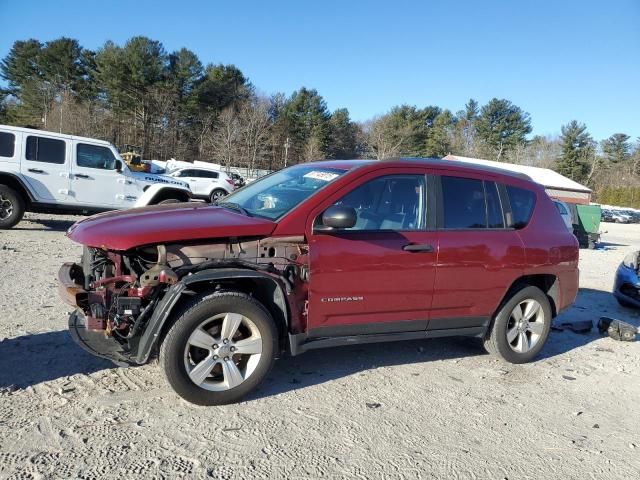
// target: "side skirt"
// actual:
[[300, 343]]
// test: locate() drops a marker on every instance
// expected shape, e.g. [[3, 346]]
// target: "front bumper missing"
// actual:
[[96, 342]]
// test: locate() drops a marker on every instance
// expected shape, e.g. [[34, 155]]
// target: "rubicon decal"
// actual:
[[341, 299]]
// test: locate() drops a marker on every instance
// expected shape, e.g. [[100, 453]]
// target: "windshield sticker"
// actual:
[[317, 175]]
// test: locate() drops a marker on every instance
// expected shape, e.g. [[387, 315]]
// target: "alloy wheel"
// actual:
[[525, 326], [222, 352], [6, 207]]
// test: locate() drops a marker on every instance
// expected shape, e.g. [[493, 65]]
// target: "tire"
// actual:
[[530, 336], [215, 368], [169, 200], [218, 194], [12, 207]]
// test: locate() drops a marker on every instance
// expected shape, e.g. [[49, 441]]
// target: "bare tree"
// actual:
[[226, 136], [384, 139]]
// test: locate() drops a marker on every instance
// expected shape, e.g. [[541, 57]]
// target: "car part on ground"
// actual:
[[579, 326], [617, 329], [319, 255]]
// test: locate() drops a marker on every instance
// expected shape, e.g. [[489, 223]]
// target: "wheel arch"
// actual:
[[546, 282], [13, 181], [264, 288]]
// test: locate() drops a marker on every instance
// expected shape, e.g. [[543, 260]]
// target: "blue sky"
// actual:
[[558, 60]]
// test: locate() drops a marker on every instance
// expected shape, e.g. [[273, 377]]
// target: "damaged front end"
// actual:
[[123, 299], [626, 287]]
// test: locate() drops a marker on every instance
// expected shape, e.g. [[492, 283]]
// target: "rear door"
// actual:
[[94, 179], [45, 167], [479, 255], [378, 276]]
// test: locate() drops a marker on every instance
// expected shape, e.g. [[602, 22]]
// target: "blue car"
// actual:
[[626, 287]]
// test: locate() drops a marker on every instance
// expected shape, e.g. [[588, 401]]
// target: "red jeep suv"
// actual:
[[319, 255]]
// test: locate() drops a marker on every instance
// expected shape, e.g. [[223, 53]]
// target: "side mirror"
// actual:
[[118, 166], [337, 217]]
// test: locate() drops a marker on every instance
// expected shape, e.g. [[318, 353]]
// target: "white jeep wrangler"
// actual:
[[56, 173]]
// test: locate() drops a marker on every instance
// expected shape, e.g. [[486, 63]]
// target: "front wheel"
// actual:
[[521, 326], [220, 349], [11, 207]]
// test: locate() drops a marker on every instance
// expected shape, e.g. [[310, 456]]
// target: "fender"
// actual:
[[148, 196], [165, 307], [16, 181]]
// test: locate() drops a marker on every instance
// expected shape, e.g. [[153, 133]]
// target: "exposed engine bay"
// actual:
[[118, 292]]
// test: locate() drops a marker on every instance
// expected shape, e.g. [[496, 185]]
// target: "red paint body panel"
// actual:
[[467, 274], [122, 230]]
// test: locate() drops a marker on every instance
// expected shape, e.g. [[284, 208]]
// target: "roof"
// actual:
[[65, 136], [406, 161], [544, 176]]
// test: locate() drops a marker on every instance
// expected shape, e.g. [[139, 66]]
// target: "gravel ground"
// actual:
[[419, 409]]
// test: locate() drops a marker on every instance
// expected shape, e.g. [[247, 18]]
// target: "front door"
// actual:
[[378, 276], [45, 167], [94, 178]]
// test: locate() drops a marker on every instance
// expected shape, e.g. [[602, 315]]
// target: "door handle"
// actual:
[[35, 170], [418, 247], [80, 175]]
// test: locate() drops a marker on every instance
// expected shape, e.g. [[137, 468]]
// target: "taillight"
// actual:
[[230, 182]]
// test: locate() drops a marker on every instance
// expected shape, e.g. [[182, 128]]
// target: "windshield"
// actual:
[[276, 194]]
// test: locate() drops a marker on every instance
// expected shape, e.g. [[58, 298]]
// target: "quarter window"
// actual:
[[463, 203], [48, 150], [7, 144], [393, 202], [94, 156], [522, 202]]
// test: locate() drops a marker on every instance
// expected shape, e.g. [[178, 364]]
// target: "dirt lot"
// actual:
[[421, 409]]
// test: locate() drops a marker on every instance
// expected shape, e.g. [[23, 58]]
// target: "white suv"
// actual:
[[51, 172], [206, 183]]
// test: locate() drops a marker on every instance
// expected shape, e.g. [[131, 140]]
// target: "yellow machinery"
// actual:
[[133, 159]]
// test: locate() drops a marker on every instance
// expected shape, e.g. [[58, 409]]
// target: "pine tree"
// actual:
[[502, 125], [577, 146]]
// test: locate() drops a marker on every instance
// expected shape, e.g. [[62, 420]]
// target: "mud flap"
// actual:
[[95, 341]]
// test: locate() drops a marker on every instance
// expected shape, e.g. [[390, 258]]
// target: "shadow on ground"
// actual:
[[54, 225], [32, 359], [41, 357]]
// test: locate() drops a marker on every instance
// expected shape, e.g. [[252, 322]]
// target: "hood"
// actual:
[[151, 178], [180, 222]]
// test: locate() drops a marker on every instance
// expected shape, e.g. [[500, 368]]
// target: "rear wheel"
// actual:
[[220, 349], [169, 200], [11, 207], [521, 326], [217, 195]]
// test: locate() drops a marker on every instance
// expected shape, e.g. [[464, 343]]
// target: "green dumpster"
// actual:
[[586, 224]]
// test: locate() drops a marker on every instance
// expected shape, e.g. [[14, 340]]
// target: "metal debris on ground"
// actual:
[[579, 326], [617, 329]]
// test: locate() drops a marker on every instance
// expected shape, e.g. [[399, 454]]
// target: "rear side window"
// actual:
[[48, 150], [207, 174], [7, 144], [522, 202], [463, 203]]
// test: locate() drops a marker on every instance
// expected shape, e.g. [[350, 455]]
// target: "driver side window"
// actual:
[[94, 156], [392, 202]]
